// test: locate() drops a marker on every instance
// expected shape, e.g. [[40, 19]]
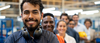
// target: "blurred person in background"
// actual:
[[80, 28], [71, 23], [88, 24], [48, 23], [62, 28], [69, 31]]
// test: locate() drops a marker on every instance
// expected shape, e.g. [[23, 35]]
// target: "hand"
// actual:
[[83, 38], [87, 41]]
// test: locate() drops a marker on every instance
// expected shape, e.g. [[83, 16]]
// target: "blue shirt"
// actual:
[[46, 37], [71, 32], [82, 28]]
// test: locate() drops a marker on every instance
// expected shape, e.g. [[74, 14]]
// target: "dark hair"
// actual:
[[48, 14], [33, 2], [88, 20], [60, 21], [71, 20], [75, 15], [64, 14]]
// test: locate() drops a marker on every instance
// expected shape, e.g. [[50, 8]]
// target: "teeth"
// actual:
[[49, 27], [61, 30], [31, 21]]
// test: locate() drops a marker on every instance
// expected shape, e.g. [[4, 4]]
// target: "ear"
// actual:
[[42, 22], [41, 15], [66, 28], [54, 22], [57, 28], [22, 16]]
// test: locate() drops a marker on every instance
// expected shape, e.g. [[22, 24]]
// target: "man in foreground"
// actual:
[[32, 33]]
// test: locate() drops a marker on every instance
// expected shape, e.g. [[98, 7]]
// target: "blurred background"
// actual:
[[10, 15]]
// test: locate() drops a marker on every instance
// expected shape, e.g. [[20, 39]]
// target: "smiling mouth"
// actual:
[[49, 27], [31, 22], [61, 30]]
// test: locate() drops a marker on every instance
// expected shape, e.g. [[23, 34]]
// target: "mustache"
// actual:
[[27, 20]]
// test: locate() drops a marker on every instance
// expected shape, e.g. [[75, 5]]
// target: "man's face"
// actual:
[[75, 18], [31, 16], [48, 23], [65, 18], [71, 24]]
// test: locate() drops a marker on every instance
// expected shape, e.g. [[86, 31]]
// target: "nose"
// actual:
[[48, 24], [62, 27], [31, 15]]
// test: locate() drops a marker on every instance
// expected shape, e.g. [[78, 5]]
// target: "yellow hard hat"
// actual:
[[82, 34]]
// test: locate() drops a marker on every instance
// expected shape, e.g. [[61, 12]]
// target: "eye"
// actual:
[[34, 12], [64, 26], [51, 21], [45, 22], [63, 19], [66, 19], [60, 25], [71, 24], [26, 12]]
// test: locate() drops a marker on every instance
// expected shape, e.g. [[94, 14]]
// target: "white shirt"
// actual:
[[69, 39], [92, 33], [82, 28], [88, 30]]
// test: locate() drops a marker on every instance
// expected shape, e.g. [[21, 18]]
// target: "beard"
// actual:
[[30, 28]]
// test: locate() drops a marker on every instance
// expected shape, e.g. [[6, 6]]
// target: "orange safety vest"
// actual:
[[60, 39]]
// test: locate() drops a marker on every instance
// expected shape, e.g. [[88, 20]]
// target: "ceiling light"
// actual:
[[48, 9], [97, 2], [2, 17], [90, 12], [8, 6], [72, 12]]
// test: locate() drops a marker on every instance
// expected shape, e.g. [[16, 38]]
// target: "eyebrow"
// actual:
[[32, 10], [26, 10]]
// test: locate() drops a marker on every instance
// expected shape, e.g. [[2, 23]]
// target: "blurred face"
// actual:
[[75, 18], [65, 18], [31, 16], [62, 27], [87, 24], [48, 23], [71, 24]]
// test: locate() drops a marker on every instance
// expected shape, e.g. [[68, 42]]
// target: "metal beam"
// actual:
[[13, 3], [63, 5], [10, 15]]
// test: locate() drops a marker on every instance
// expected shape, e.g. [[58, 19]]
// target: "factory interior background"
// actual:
[[10, 14]]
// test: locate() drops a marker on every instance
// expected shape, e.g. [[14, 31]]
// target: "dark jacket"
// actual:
[[71, 32], [46, 37]]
